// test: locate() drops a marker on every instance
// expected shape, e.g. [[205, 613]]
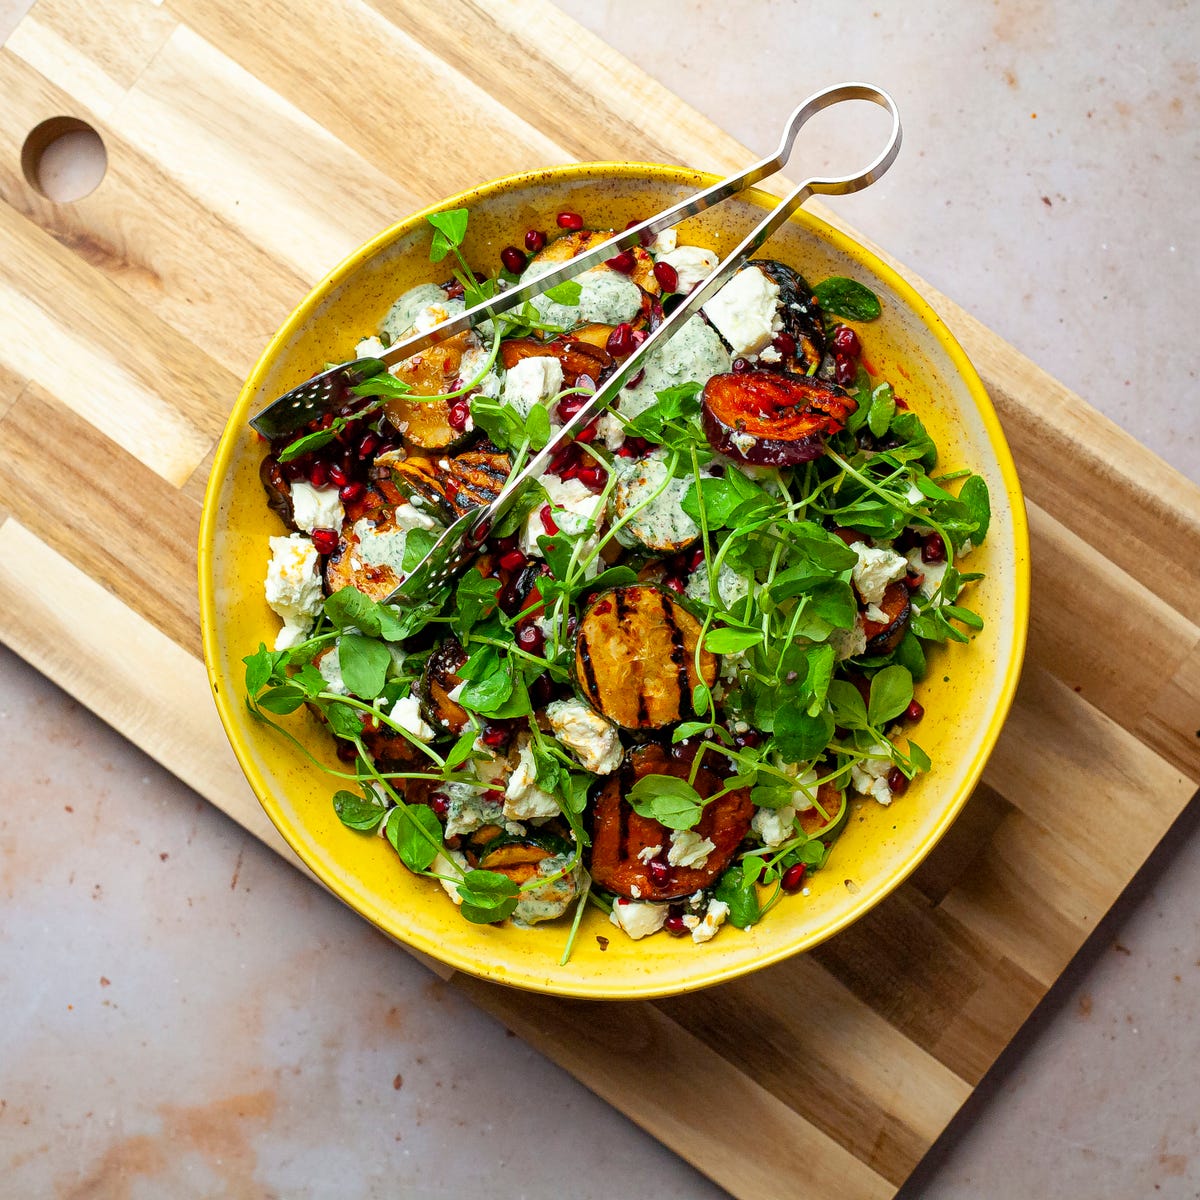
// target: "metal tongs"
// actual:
[[460, 542]]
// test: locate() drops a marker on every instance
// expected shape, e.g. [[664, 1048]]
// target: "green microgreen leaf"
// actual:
[[450, 227], [364, 664], [891, 693], [731, 641], [567, 292], [415, 834], [417, 544], [800, 737], [487, 896], [282, 700], [973, 496], [261, 667], [882, 409], [474, 600], [670, 801], [355, 812], [739, 890], [847, 298]]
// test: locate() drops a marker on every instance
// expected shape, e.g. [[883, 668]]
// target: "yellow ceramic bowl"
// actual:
[[966, 695]]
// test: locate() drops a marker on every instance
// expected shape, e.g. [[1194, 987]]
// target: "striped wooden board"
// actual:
[[248, 151]]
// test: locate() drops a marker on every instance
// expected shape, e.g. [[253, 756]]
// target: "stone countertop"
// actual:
[[187, 1017]]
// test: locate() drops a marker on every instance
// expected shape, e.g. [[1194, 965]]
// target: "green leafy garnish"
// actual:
[[847, 298]]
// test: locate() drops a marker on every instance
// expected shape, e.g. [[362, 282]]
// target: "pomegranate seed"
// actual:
[[785, 344], [793, 877], [338, 476], [319, 475], [934, 550], [591, 477], [571, 472], [454, 291], [913, 581], [547, 519], [636, 379], [846, 343], [541, 691], [674, 583], [535, 239], [324, 540], [740, 365], [513, 259], [696, 559], [495, 795], [569, 220], [346, 751], [567, 456], [625, 451], [368, 445], [914, 712], [440, 803], [657, 872], [459, 415], [512, 559], [620, 341], [326, 420], [675, 926], [639, 336], [293, 470], [495, 736], [531, 638], [845, 372], [623, 262], [750, 739], [587, 433], [897, 782], [351, 492], [667, 276], [569, 407]]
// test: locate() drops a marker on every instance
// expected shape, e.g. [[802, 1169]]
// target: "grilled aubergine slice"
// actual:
[[620, 835], [800, 313], [438, 681], [352, 566], [771, 419], [884, 636], [635, 657], [451, 486]]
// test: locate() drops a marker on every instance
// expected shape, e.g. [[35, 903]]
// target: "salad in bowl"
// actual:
[[687, 656]]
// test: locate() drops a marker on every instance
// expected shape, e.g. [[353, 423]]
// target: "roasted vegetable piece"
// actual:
[[571, 244], [372, 568], [279, 493], [425, 424], [771, 419], [635, 657], [438, 681], [801, 315], [453, 486], [619, 834], [659, 524], [578, 357], [833, 801], [884, 636], [518, 856]]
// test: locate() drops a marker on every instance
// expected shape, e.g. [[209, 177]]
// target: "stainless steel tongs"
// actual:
[[459, 543]]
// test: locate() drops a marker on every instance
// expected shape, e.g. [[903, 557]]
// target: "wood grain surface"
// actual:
[[248, 151]]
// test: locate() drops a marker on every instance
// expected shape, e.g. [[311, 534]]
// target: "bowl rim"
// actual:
[[629, 987]]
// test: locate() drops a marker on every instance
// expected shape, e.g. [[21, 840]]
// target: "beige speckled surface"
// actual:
[[186, 1017]]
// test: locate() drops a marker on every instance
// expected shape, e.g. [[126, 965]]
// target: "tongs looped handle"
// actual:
[[459, 542]]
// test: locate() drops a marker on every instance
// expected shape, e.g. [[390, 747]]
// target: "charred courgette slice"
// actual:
[[771, 419], [800, 313], [656, 522], [884, 636], [425, 424], [620, 835], [635, 657], [453, 486], [578, 357], [517, 856], [569, 245], [438, 681]]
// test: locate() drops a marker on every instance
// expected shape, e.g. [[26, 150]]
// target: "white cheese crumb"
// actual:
[[868, 776], [406, 712], [875, 569], [773, 826], [705, 928], [745, 311], [594, 741], [649, 853], [531, 381], [573, 505], [689, 849], [331, 671], [933, 572], [637, 918], [664, 243], [523, 799], [691, 263], [293, 587], [847, 643], [316, 508]]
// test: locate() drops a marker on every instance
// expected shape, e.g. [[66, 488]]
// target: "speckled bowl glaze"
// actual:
[[966, 695]]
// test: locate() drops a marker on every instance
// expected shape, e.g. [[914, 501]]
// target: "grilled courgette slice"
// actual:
[[452, 486], [635, 657], [656, 522], [438, 681], [884, 636], [622, 840]]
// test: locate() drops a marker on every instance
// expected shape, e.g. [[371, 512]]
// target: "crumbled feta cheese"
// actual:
[[574, 506], [406, 712], [966, 548], [689, 849], [473, 361], [370, 347], [331, 671], [691, 263], [876, 614], [933, 572], [638, 918], [293, 587], [532, 381], [875, 569], [470, 807], [610, 431], [451, 864], [316, 508], [913, 494], [847, 643], [868, 776], [705, 928], [770, 355], [743, 442], [635, 891], [664, 243], [410, 516], [773, 826], [648, 853], [523, 799], [745, 311], [594, 741], [430, 317]]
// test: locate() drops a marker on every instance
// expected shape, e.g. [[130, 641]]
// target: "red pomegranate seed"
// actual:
[[667, 276], [914, 712], [675, 926], [495, 795], [751, 738], [547, 518], [845, 372], [657, 872], [319, 475], [785, 344], [440, 803], [740, 365], [625, 450], [846, 343], [635, 379], [934, 550], [587, 433], [674, 583], [513, 259], [620, 341], [326, 420], [324, 540], [347, 752], [569, 220], [696, 559], [531, 638], [459, 415], [897, 782], [368, 445], [639, 336], [569, 407], [623, 262], [350, 492], [793, 877], [495, 736], [512, 559], [535, 239], [913, 580], [591, 477], [338, 476]]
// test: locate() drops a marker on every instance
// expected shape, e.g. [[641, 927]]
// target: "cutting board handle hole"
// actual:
[[64, 159]]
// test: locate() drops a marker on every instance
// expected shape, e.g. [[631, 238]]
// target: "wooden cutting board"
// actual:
[[248, 151]]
